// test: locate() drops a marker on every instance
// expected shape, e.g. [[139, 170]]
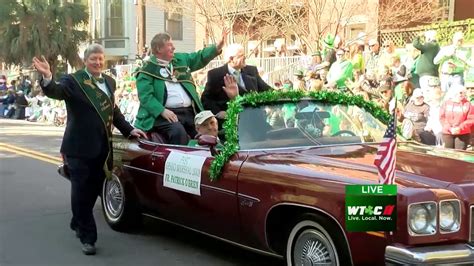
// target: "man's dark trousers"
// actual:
[[178, 132], [87, 177]]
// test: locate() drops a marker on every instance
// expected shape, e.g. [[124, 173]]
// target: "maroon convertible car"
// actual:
[[277, 184]]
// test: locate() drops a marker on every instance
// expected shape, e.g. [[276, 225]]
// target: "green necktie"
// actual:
[[100, 80]]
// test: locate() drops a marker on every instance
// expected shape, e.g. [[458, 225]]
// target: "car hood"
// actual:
[[417, 165]]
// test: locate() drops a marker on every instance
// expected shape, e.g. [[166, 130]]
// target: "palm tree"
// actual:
[[42, 27]]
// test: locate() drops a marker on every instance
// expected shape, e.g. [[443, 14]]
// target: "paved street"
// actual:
[[35, 213]]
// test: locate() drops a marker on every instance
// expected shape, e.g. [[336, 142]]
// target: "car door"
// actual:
[[210, 207]]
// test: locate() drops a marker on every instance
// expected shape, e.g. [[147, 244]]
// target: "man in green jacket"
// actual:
[[426, 69], [167, 94]]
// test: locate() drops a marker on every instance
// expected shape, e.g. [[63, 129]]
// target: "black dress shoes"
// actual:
[[88, 249]]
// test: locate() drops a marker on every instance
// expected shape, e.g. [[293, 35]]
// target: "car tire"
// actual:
[[312, 240], [119, 208]]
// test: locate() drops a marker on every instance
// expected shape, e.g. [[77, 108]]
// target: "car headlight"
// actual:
[[422, 218], [449, 216]]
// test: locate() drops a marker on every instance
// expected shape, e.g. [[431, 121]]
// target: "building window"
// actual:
[[96, 11], [174, 24], [114, 18]]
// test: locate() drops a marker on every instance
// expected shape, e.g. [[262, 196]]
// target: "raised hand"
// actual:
[[221, 43], [230, 88], [42, 66]]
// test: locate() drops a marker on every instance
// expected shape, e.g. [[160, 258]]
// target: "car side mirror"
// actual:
[[209, 141]]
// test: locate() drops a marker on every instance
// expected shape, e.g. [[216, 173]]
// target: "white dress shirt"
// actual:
[[177, 97]]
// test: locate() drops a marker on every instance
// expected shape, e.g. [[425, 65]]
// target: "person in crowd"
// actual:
[[398, 71], [40, 107], [34, 106], [426, 68], [168, 97], [433, 83], [287, 85], [299, 82], [457, 118], [415, 117], [386, 95], [132, 107], [3, 83], [357, 57], [277, 85], [386, 55], [313, 82], [434, 124], [200, 80], [403, 93], [331, 44], [206, 124], [89, 97], [226, 82], [8, 100], [452, 60], [25, 85], [411, 62], [20, 105], [372, 62], [124, 100], [13, 85], [340, 71], [316, 61]]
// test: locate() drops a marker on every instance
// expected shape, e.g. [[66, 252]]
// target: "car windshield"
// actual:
[[306, 123]]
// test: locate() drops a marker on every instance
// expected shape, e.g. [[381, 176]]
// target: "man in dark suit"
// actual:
[[87, 141], [226, 82]]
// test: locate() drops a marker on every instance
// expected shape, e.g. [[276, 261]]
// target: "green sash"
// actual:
[[103, 105]]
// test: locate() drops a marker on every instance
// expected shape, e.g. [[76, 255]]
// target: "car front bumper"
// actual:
[[446, 254]]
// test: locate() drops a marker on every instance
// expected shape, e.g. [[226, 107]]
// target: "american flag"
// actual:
[[385, 160]]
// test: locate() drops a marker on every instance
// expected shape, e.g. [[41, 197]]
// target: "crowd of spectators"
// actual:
[[423, 80], [23, 99]]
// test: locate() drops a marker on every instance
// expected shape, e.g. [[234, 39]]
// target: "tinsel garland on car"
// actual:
[[254, 99]]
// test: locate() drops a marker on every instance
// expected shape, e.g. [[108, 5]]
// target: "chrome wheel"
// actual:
[[310, 244], [114, 198]]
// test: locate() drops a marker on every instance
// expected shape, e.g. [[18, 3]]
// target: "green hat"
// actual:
[[299, 73], [329, 40]]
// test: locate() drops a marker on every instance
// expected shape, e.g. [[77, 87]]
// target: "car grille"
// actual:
[[471, 230]]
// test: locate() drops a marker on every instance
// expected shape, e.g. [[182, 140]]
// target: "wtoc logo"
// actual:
[[371, 208]]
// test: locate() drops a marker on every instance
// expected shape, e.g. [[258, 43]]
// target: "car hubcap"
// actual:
[[114, 197], [313, 248]]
